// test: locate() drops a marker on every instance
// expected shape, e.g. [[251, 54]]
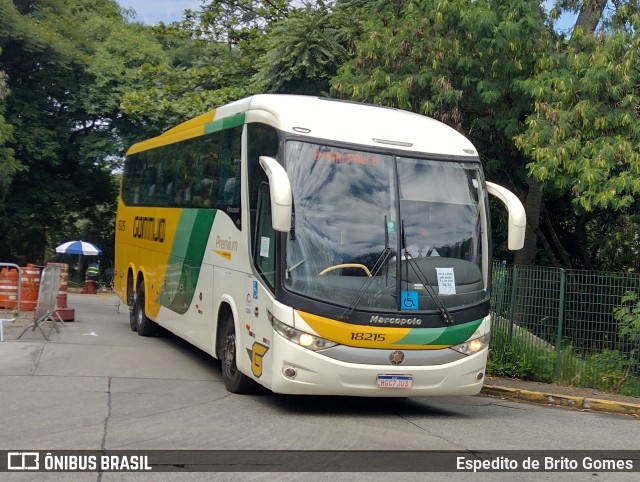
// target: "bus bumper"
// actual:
[[297, 370]]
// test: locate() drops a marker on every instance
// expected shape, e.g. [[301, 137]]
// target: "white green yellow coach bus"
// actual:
[[278, 234]]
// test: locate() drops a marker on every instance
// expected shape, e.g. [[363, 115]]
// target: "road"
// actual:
[[97, 385]]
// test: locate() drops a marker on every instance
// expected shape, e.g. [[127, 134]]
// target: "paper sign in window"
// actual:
[[446, 281], [264, 246]]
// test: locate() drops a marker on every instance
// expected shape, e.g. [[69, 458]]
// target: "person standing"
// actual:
[[91, 278]]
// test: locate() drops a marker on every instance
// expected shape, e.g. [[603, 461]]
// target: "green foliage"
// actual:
[[182, 92], [303, 52], [584, 134], [518, 357], [62, 123], [510, 364], [611, 369], [462, 63], [455, 60], [211, 57], [628, 317], [234, 48], [240, 21], [8, 164]]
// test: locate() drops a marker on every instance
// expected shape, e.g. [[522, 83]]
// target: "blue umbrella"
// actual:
[[78, 247]]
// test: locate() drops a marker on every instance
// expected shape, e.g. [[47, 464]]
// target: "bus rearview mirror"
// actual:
[[517, 216], [280, 192]]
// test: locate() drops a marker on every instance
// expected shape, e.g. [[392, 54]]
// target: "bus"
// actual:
[[275, 233]]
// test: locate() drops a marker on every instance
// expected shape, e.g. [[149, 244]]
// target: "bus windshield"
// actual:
[[364, 220]]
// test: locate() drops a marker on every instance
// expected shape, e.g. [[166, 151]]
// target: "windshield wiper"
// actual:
[[446, 315], [387, 253]]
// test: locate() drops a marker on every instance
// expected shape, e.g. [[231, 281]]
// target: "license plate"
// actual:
[[394, 381]]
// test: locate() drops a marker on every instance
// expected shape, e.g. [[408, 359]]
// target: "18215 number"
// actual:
[[356, 336]]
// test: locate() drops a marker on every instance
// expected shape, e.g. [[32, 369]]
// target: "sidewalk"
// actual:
[[563, 396], [506, 388]]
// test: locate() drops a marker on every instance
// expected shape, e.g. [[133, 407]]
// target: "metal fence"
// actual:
[[557, 325]]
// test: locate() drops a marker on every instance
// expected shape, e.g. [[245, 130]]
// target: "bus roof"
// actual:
[[331, 119]]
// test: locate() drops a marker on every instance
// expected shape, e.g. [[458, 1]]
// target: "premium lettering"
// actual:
[[227, 244]]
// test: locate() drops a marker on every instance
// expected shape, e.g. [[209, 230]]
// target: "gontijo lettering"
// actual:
[[149, 228]]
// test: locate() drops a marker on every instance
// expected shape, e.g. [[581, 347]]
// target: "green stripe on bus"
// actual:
[[451, 335], [186, 258], [224, 123]]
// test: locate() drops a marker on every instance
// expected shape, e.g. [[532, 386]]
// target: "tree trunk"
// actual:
[[532, 207], [583, 239], [564, 255], [553, 261], [590, 15]]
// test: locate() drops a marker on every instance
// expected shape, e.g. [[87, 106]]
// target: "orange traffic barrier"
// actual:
[[30, 286], [8, 288]]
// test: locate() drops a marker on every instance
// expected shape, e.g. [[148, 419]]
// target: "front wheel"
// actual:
[[234, 380]]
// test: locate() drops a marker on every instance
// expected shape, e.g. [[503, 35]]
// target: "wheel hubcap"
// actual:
[[140, 312], [229, 355]]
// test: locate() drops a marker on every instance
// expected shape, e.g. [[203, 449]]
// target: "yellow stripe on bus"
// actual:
[[165, 139], [362, 336]]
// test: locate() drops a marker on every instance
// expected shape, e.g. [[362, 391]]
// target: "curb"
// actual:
[[579, 403]]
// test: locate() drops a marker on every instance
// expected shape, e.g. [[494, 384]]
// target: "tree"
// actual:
[[462, 63], [8, 164], [211, 59], [67, 72], [304, 51], [583, 134], [234, 48]]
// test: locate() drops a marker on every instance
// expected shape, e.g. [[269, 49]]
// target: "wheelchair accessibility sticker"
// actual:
[[409, 300]]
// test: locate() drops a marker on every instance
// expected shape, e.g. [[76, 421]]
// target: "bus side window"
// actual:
[[265, 238], [262, 140]]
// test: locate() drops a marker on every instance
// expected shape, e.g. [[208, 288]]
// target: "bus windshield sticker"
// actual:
[[446, 281], [264, 246], [409, 300]]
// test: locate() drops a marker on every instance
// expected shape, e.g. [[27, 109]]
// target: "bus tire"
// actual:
[[234, 380], [131, 303], [144, 326]]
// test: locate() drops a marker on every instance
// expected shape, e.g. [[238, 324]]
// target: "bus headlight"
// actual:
[[301, 338], [473, 346]]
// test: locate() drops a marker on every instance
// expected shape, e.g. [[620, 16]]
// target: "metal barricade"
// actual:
[[47, 301], [10, 292]]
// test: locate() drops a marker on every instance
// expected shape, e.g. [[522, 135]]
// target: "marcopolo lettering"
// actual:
[[382, 320], [149, 228]]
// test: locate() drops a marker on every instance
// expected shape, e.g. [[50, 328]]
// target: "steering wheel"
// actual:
[[346, 265]]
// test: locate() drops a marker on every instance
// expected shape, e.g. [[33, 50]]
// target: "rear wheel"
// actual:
[[234, 380], [144, 326], [131, 299]]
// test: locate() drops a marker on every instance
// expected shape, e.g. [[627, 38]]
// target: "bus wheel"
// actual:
[[131, 304], [234, 381], [144, 326]]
